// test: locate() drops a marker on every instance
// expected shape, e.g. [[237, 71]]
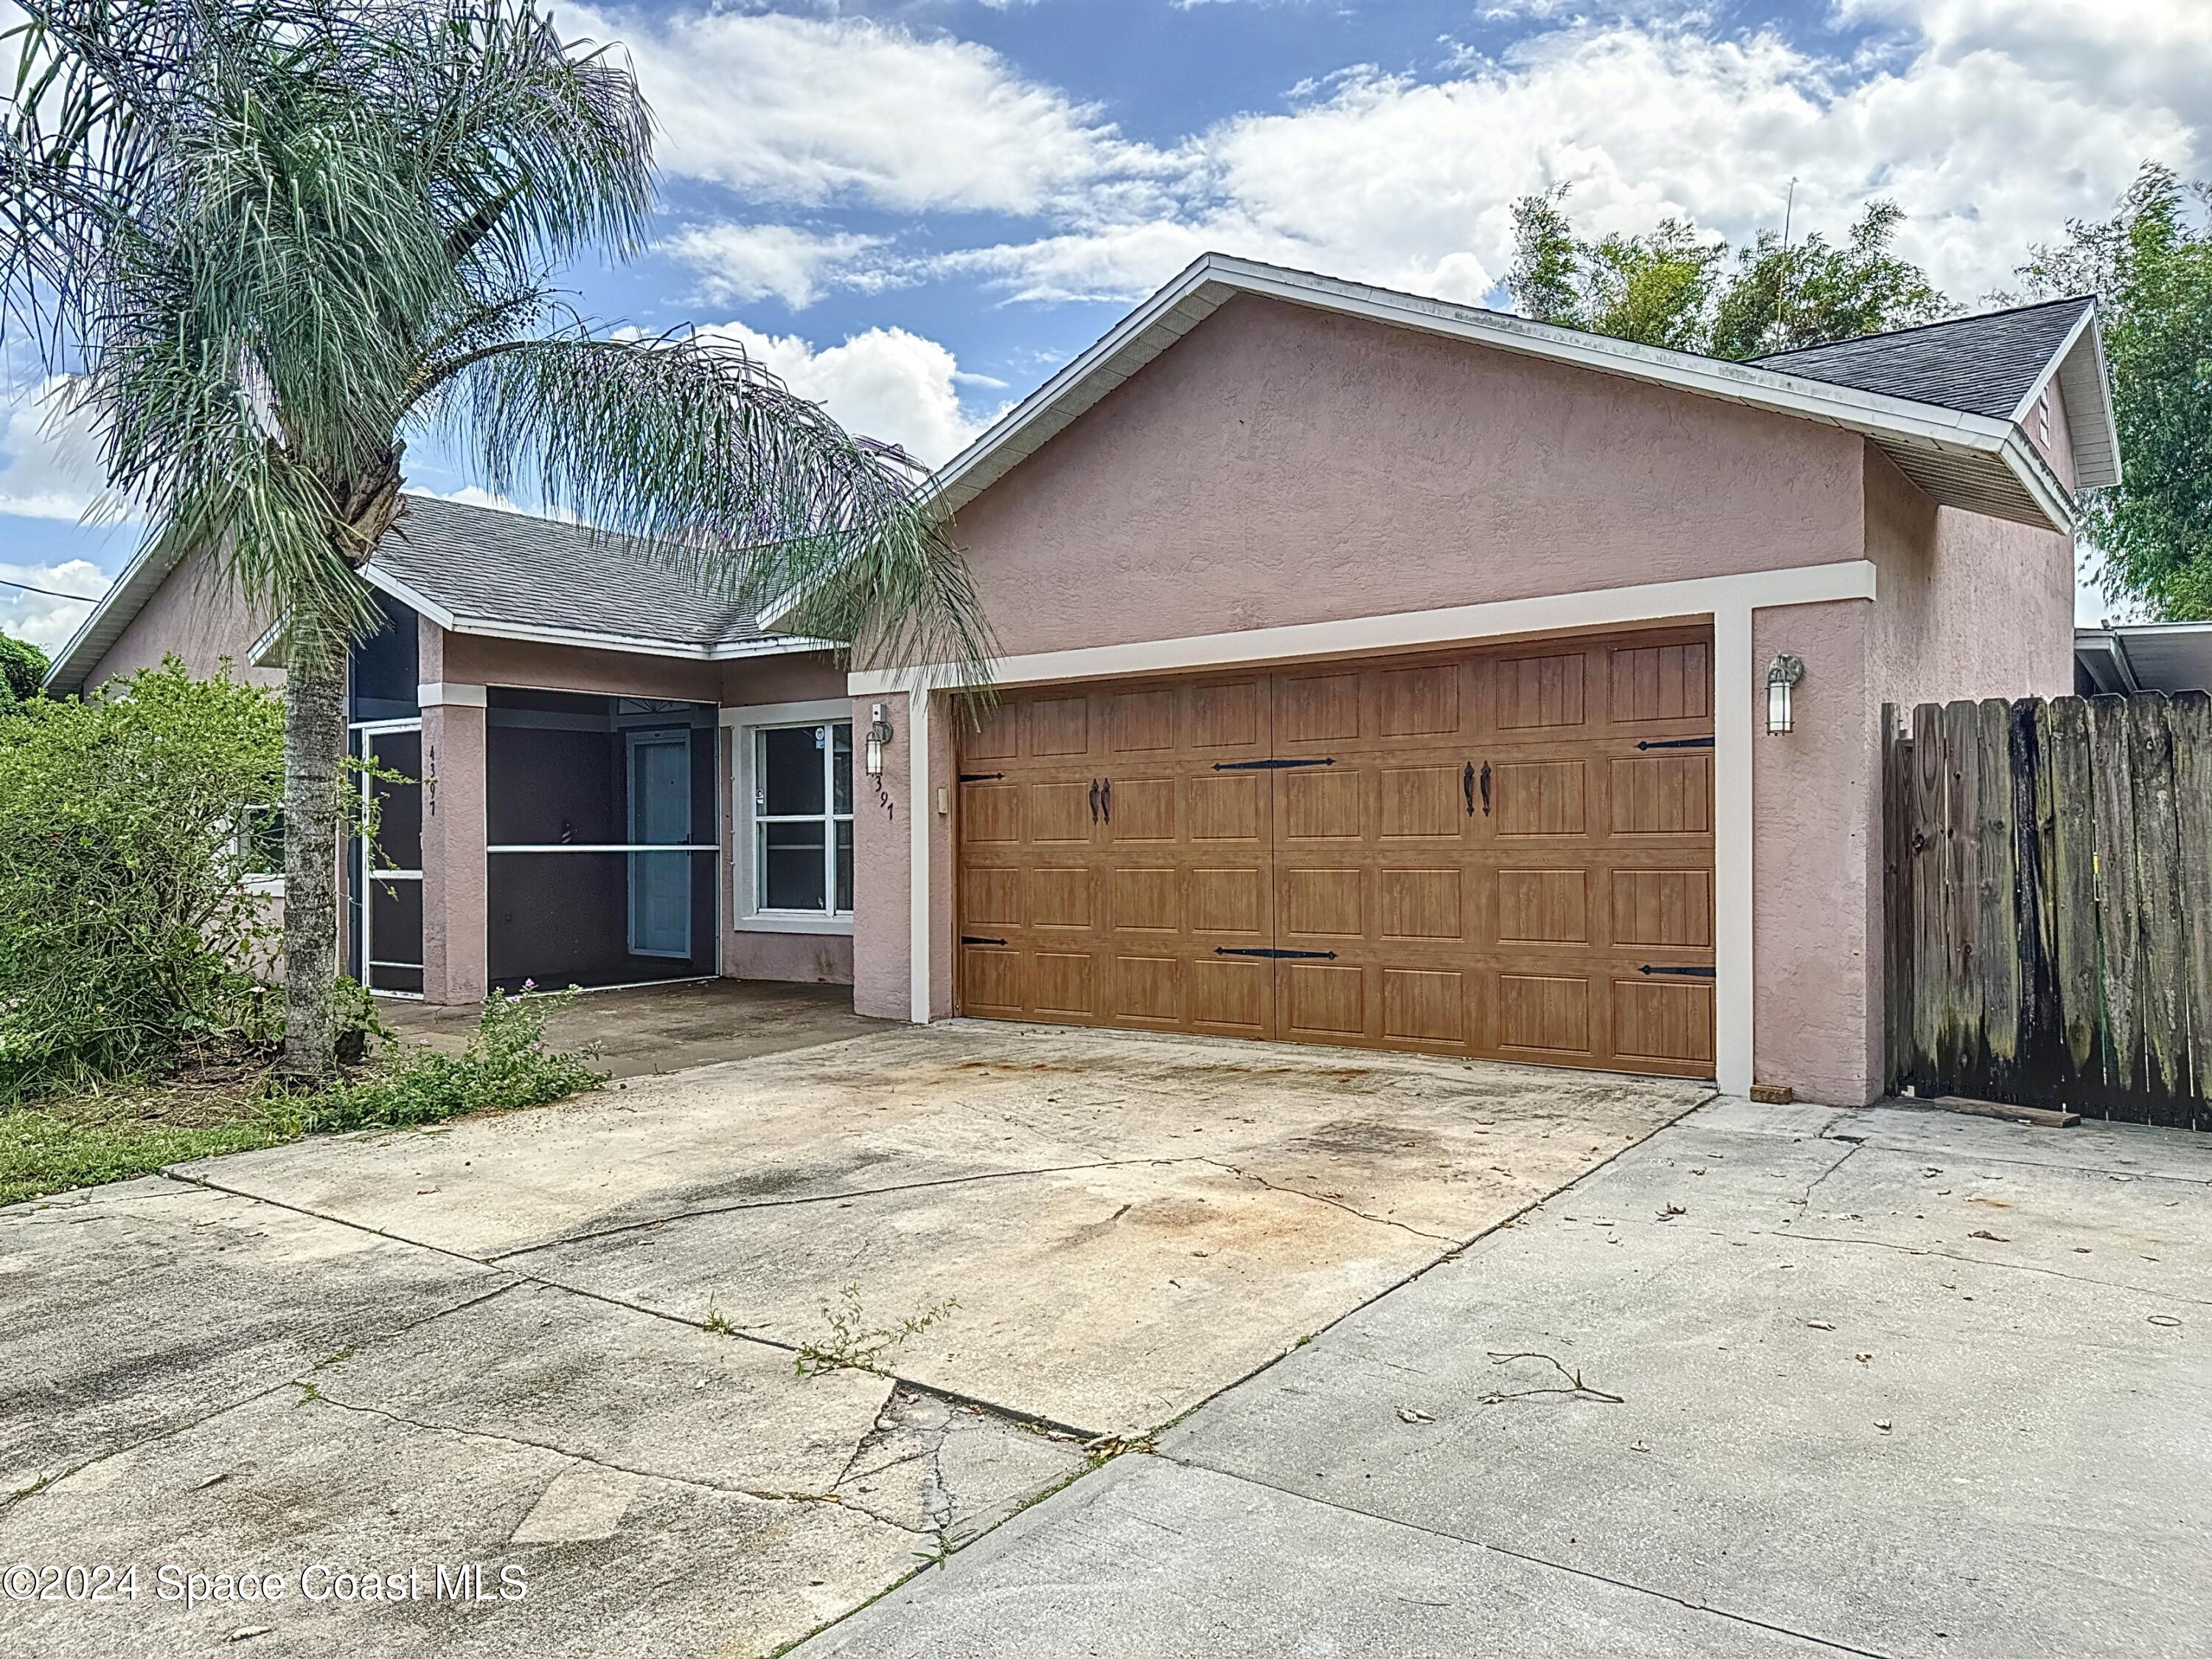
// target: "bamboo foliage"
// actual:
[[2048, 891]]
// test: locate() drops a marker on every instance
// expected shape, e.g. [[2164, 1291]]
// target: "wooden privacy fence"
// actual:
[[2047, 879]]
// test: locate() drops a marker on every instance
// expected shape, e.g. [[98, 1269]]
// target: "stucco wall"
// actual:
[[1283, 466], [196, 614]]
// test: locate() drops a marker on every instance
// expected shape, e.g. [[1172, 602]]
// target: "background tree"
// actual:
[[2150, 266], [279, 238], [22, 666], [1672, 287]]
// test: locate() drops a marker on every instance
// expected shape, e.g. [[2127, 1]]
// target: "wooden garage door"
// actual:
[[1503, 853]]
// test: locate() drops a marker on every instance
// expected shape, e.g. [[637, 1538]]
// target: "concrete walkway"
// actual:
[[557, 1353], [1889, 1382]]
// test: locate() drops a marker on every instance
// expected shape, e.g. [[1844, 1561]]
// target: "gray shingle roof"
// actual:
[[1983, 365], [483, 565]]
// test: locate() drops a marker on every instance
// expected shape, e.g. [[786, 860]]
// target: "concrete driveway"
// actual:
[[1888, 1384], [526, 1384]]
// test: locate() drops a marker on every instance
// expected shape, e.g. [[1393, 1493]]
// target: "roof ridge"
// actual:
[[1922, 328]]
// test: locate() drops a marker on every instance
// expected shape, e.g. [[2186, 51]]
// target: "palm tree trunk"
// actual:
[[314, 773]]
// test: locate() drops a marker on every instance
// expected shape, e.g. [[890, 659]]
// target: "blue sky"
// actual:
[[916, 210]]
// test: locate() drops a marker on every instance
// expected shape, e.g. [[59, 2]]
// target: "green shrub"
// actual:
[[126, 936], [506, 1064]]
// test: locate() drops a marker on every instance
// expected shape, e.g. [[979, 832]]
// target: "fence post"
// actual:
[[2189, 716], [1896, 900]]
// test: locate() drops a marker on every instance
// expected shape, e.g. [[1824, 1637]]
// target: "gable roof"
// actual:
[[1996, 364], [501, 574], [518, 576], [1962, 457]]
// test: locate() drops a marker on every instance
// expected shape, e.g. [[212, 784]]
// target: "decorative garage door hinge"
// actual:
[[977, 938], [1677, 973], [980, 777], [1676, 743], [1278, 956], [1269, 765]]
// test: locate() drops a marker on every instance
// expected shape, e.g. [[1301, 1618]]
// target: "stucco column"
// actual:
[[454, 867], [882, 908]]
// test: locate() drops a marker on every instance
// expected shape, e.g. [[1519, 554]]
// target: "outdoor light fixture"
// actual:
[[879, 734], [1786, 672]]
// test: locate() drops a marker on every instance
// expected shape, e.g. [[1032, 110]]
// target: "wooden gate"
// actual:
[[2047, 880]]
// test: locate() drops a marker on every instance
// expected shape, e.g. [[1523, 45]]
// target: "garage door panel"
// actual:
[[1227, 806], [1228, 900], [1231, 996], [1664, 1022], [1425, 803], [1147, 990], [1145, 898], [991, 981], [991, 896], [991, 813], [1139, 809], [1141, 722], [1320, 805], [1422, 904], [1425, 1007], [1226, 716], [1063, 984], [1419, 702], [1662, 794], [1324, 1002], [1061, 897], [1321, 902], [1539, 692], [1540, 797], [1665, 908], [1672, 682], [1052, 814], [1059, 726], [1547, 1012], [1316, 708], [1543, 907]]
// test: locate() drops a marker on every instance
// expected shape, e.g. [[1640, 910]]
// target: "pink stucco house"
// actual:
[[1372, 670]]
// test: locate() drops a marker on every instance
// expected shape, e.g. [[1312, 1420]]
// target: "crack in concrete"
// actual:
[[1534, 1560], [1804, 1200], [8, 1500], [1335, 1203], [1984, 1261], [762, 1495]]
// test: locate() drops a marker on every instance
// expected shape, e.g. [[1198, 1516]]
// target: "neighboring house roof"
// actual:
[[517, 576], [1996, 364], [506, 575], [2146, 656], [1962, 457]]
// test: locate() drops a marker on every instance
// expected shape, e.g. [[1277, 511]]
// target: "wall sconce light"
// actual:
[[1785, 673], [879, 734]]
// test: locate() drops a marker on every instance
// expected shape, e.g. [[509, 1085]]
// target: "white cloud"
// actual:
[[46, 621], [743, 263], [1410, 182], [813, 110], [49, 465], [886, 384]]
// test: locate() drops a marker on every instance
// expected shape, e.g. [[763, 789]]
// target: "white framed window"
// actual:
[[260, 842], [793, 850], [803, 819]]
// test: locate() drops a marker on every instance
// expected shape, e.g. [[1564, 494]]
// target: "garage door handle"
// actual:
[[1467, 787], [1486, 789], [1277, 955], [1094, 800], [1106, 799]]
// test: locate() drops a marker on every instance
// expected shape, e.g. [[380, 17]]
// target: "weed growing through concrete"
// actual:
[[854, 1344], [718, 1323]]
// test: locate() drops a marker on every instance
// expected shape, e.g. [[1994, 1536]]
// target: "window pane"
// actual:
[[790, 782], [660, 790], [792, 873], [844, 866], [842, 775], [265, 841]]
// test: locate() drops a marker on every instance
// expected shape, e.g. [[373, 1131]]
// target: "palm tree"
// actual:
[[276, 239]]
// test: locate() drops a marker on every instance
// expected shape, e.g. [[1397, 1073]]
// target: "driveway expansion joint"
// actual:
[[1987, 1261], [1335, 1203]]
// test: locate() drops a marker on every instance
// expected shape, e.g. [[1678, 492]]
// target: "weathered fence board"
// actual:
[[2047, 877]]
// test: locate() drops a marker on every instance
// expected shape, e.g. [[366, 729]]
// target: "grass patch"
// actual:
[[117, 1132]]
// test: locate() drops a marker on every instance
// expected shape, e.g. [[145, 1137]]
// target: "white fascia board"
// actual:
[[127, 594], [2026, 463], [2051, 368], [383, 580], [2089, 420], [786, 714]]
